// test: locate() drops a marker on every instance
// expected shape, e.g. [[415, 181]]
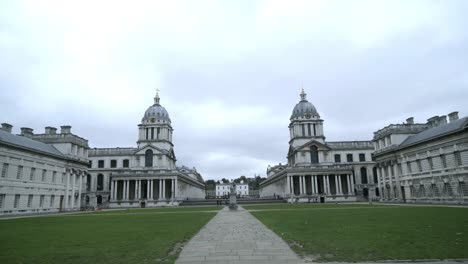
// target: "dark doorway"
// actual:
[[99, 199], [365, 192], [403, 196], [322, 199], [142, 204]]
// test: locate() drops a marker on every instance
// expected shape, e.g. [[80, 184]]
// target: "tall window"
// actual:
[[315, 132], [90, 164], [458, 159], [52, 200], [16, 201], [31, 175], [44, 173], [30, 200], [314, 154], [303, 129], [158, 130], [149, 158], [374, 172], [308, 129], [408, 165], [364, 175], [418, 163], [100, 182], [19, 173], [349, 157], [443, 160], [152, 133], [126, 163], [431, 164], [147, 137], [5, 169], [88, 183], [54, 176], [100, 163], [113, 164], [2, 199], [337, 158], [362, 157], [41, 201]]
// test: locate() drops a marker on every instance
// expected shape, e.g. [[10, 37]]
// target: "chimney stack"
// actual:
[[453, 116], [50, 130], [432, 122], [6, 127], [26, 132], [65, 129], [410, 120], [442, 120]]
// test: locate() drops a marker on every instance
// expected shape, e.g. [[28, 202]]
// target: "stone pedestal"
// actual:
[[232, 201]]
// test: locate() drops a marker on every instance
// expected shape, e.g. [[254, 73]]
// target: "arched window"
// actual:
[[149, 158], [313, 154], [100, 182], [363, 175]]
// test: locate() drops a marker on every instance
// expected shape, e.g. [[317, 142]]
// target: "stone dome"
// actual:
[[304, 108], [156, 113]]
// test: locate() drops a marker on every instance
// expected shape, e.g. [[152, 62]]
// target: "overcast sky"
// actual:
[[230, 72]]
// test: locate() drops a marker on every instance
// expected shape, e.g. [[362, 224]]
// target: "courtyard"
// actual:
[[315, 232]]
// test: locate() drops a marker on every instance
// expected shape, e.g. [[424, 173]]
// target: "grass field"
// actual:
[[159, 210], [356, 232], [143, 236]]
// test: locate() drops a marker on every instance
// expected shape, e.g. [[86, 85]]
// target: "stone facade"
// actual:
[[145, 176], [41, 172], [423, 163], [318, 170]]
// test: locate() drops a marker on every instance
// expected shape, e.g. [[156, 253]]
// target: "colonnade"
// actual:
[[320, 184], [139, 193]]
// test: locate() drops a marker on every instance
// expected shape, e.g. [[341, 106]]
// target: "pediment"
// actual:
[[156, 151], [319, 145]]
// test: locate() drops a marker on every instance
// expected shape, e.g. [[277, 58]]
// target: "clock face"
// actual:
[[153, 120]]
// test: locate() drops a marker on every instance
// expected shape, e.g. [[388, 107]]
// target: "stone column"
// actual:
[[348, 183], [288, 185], [151, 189], [164, 189], [351, 180], [300, 185], [80, 189], [315, 184], [127, 189], [139, 189], [337, 188], [304, 184], [124, 190], [160, 189], [147, 189], [172, 188], [176, 185], [291, 184], [327, 184], [73, 177], [340, 186], [112, 191]]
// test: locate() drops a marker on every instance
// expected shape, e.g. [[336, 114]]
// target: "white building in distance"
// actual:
[[224, 189], [425, 162], [145, 176], [319, 170], [41, 172]]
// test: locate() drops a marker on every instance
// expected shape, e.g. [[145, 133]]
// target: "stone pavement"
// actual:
[[236, 237]]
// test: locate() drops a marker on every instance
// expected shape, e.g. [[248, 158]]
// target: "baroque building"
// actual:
[[317, 169], [425, 162], [41, 172], [144, 176]]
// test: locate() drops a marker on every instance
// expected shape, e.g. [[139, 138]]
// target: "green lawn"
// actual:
[[94, 238], [159, 210], [366, 233]]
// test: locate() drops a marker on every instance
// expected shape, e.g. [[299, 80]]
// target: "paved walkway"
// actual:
[[236, 237]]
